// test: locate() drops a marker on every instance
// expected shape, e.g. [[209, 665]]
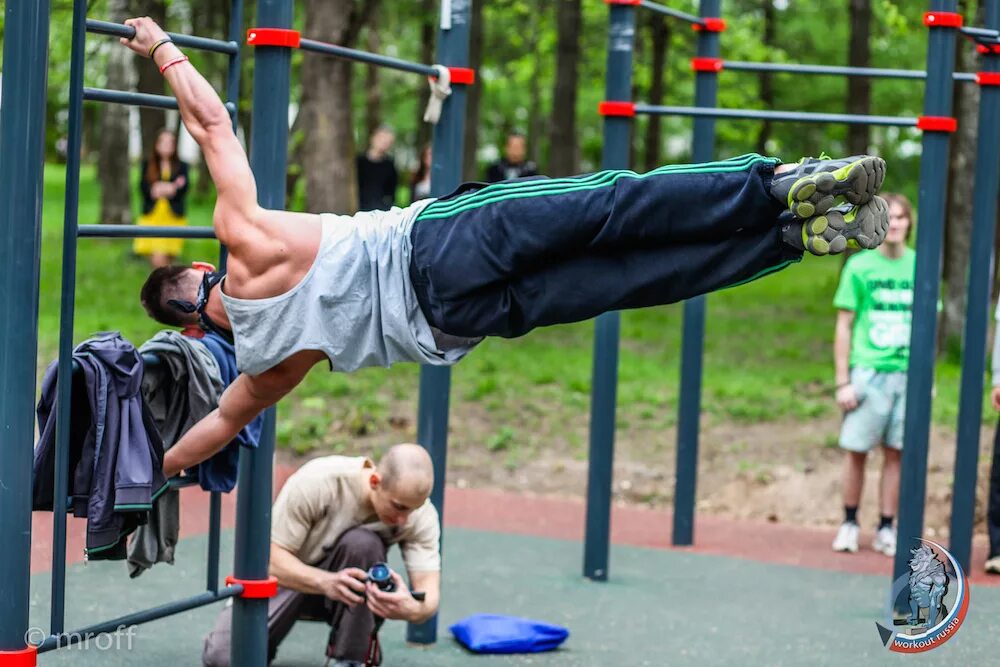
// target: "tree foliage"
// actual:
[[516, 79]]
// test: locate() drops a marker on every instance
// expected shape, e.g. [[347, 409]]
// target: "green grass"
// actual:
[[767, 352]]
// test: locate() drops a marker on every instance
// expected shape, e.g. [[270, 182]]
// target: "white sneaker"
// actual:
[[885, 541], [847, 537], [992, 566]]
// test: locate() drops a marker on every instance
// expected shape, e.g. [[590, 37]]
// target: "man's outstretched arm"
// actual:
[[209, 124], [243, 400]]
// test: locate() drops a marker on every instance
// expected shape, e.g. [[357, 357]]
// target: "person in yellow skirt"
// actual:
[[164, 184]]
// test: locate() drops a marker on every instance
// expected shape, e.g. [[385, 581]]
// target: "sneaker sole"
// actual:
[[882, 549], [856, 182], [864, 226]]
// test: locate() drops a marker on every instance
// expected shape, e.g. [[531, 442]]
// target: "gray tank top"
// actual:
[[356, 303]]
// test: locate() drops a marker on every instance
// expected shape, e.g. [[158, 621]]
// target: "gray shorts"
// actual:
[[878, 419]]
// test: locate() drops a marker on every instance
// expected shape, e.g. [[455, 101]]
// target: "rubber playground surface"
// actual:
[[755, 594]]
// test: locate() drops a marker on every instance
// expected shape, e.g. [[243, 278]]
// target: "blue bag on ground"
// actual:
[[494, 633]]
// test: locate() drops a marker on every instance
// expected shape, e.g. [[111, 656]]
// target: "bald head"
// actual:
[[407, 469]]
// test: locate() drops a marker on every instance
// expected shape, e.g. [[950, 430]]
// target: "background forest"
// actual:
[[520, 408]]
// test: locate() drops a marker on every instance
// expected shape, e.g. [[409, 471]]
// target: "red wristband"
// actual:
[[167, 65]]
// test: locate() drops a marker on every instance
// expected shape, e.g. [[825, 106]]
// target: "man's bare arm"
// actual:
[[346, 585], [245, 398], [208, 122], [430, 583], [842, 346]]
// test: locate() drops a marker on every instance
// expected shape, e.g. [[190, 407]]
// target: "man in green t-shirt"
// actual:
[[871, 350]]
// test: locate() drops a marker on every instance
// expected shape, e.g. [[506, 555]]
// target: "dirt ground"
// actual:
[[775, 471]]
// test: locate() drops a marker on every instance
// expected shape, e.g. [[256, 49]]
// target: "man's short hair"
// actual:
[[162, 285], [410, 462]]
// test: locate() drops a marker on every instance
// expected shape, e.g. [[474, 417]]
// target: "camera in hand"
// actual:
[[380, 574]]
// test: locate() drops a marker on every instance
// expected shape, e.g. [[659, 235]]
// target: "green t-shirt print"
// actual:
[[880, 292]]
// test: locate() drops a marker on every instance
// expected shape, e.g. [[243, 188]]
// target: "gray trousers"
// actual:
[[352, 628]]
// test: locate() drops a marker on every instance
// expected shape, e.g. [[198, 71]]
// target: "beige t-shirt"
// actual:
[[323, 499]]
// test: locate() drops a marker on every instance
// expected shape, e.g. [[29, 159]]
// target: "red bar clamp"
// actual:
[[267, 588], [710, 24], [988, 49], [273, 37], [26, 657], [937, 123], [942, 20], [462, 75], [623, 109], [623, 2], [988, 78], [706, 64]]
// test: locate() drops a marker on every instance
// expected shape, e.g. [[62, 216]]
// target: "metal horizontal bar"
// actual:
[[143, 232], [793, 116], [139, 99], [690, 18], [875, 72], [182, 482], [985, 33], [192, 41], [169, 609], [366, 57]]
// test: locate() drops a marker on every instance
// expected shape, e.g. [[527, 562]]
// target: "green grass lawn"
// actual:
[[767, 349]]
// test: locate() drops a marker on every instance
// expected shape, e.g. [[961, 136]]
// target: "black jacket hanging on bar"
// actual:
[[115, 452]]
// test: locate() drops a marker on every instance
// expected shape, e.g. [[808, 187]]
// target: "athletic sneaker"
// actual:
[[811, 188], [847, 537], [992, 565], [845, 226], [885, 541]]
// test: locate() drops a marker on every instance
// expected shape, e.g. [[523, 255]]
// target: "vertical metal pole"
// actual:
[[233, 72], [22, 154], [232, 95], [446, 175], [66, 319], [927, 281], [693, 341], [214, 534], [977, 316], [604, 381], [269, 161]]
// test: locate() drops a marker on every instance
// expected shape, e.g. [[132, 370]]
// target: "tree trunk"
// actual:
[[151, 121], [373, 93], [562, 137], [113, 163], [659, 40], [211, 20], [428, 33], [859, 88], [328, 155], [535, 116], [470, 167], [958, 218], [766, 79]]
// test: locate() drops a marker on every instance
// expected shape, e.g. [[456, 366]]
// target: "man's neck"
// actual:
[[892, 250], [215, 309], [375, 156]]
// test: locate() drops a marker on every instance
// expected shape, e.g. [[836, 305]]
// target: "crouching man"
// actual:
[[336, 517]]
